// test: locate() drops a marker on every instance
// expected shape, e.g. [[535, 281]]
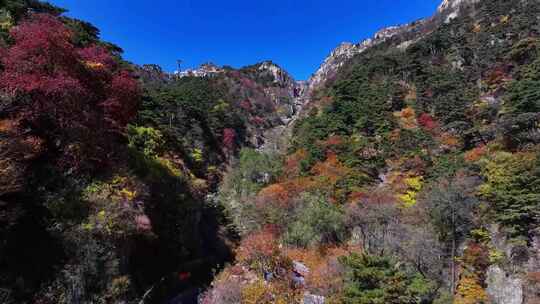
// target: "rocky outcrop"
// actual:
[[515, 279], [333, 62], [344, 52], [151, 74], [285, 92], [313, 299], [447, 10], [504, 288], [450, 9], [453, 4], [290, 98], [279, 76]]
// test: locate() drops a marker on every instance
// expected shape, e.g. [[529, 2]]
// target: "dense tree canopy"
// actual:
[[77, 96]]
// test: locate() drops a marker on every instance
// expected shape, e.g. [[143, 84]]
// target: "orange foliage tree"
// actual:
[[261, 252]]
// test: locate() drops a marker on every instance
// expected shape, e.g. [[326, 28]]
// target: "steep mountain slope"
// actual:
[[412, 175]]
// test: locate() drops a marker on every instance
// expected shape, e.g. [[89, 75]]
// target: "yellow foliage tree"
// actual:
[[470, 291], [414, 185]]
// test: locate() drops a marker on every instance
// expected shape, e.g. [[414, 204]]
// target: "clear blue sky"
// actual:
[[296, 34]]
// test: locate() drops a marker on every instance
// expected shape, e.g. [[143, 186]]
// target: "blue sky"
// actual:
[[296, 34]]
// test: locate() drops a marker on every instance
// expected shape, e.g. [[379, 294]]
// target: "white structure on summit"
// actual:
[[204, 70]]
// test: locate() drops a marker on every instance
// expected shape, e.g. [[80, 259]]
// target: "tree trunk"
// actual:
[[453, 265]]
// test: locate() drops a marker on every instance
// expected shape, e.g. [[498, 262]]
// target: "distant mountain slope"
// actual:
[[412, 175]]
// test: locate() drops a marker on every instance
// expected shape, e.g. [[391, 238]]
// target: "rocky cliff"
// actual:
[[340, 55], [447, 10], [454, 5], [400, 36], [514, 278]]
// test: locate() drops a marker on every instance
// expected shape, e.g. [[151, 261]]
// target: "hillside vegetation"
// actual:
[[408, 173], [107, 168]]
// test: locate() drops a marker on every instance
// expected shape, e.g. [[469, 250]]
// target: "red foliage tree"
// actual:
[[260, 249], [426, 121], [229, 139], [77, 98], [246, 105], [292, 163], [257, 121]]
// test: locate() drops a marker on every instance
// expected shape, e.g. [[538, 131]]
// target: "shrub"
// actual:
[[414, 185], [427, 121], [229, 139], [252, 172], [475, 154], [120, 287], [524, 94], [317, 222], [147, 140], [512, 188], [470, 291], [256, 293], [451, 202], [376, 279], [260, 251]]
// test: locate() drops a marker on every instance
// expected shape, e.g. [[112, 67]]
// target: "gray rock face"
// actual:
[[313, 299], [514, 281], [340, 55], [152, 73], [300, 268], [276, 139], [451, 8], [504, 288], [453, 4], [333, 62], [448, 9]]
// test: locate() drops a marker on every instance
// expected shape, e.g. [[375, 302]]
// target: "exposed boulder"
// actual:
[[504, 288], [516, 279], [313, 299]]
